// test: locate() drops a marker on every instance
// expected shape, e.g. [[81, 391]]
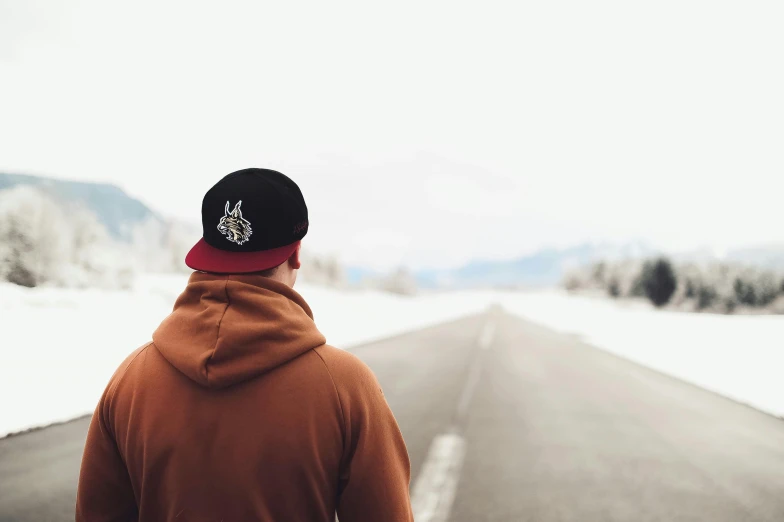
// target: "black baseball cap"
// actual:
[[253, 220]]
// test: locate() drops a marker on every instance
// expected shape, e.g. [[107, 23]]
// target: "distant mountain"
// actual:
[[118, 211], [356, 275], [765, 256], [544, 268]]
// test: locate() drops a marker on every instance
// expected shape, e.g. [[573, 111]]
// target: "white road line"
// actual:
[[488, 333], [435, 488], [485, 341], [468, 390], [436, 485]]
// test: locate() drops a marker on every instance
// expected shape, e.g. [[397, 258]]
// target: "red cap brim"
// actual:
[[205, 258]]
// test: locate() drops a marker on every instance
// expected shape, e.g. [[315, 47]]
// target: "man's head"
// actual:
[[253, 221], [286, 272]]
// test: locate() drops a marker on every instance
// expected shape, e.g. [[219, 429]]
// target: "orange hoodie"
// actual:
[[237, 411]]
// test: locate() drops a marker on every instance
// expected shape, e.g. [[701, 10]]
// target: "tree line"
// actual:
[[709, 287], [47, 241]]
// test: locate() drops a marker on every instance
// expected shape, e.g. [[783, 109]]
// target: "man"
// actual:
[[238, 410]]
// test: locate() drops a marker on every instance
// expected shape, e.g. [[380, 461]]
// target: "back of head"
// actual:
[[253, 221]]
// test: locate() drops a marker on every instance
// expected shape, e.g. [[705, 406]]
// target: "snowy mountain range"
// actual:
[[542, 268]]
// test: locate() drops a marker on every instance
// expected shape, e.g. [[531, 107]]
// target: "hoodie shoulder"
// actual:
[[123, 368], [348, 372], [106, 403]]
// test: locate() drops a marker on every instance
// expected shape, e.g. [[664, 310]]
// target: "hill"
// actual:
[[116, 210]]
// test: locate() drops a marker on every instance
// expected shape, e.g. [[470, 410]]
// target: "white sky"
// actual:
[[425, 133]]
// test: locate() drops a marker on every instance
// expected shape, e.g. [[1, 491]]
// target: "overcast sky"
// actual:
[[425, 133]]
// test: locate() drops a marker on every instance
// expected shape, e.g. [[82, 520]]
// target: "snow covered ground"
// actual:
[[60, 346], [738, 356]]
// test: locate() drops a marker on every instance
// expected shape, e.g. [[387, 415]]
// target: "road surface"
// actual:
[[508, 421]]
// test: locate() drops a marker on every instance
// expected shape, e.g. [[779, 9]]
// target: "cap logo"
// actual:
[[234, 226]]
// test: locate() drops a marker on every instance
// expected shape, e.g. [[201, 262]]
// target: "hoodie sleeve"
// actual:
[[375, 470], [105, 493]]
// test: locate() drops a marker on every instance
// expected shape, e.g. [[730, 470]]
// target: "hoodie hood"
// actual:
[[226, 329]]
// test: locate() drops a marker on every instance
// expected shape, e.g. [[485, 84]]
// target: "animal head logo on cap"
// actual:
[[234, 226]]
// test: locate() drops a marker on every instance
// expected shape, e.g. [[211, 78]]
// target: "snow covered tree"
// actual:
[[614, 288], [16, 253], [160, 245], [33, 234], [45, 241], [400, 281], [659, 281], [322, 270]]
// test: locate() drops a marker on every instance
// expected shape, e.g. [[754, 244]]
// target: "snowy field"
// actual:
[[60, 346]]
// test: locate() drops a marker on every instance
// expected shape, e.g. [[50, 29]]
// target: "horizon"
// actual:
[[702, 251]]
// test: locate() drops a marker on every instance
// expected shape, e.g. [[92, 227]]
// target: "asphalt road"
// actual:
[[508, 421]]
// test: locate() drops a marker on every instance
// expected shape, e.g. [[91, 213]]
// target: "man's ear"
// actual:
[[294, 261]]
